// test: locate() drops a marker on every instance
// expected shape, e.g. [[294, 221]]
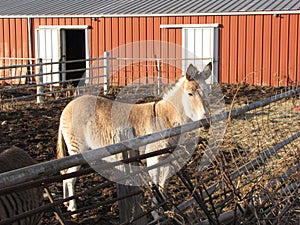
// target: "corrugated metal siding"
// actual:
[[140, 7], [233, 49], [13, 37], [262, 49], [256, 48], [294, 48], [250, 43], [13, 44]]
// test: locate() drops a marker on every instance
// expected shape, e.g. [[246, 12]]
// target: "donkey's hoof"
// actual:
[[74, 216], [71, 208], [66, 204]]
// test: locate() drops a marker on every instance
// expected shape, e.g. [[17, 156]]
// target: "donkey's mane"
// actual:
[[170, 92]]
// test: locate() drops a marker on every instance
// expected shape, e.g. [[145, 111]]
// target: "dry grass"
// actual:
[[268, 191]]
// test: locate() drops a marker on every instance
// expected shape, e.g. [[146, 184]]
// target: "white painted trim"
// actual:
[[216, 56], [30, 49], [73, 27], [189, 25], [156, 15], [87, 55], [63, 55]]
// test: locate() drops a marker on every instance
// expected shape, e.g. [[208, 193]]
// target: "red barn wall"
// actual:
[[261, 49], [13, 44]]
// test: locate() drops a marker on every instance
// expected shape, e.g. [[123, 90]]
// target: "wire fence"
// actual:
[[256, 168], [43, 80]]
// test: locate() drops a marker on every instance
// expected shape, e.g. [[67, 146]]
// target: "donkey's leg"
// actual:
[[65, 192], [158, 175], [69, 188], [74, 147]]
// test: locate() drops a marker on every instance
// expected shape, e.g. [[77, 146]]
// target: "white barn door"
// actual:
[[49, 50], [200, 46]]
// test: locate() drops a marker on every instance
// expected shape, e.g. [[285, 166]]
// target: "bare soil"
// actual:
[[34, 128]]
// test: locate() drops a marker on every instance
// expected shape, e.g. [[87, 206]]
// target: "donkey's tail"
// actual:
[[61, 147]]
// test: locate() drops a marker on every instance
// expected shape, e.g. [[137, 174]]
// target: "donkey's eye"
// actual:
[[190, 94]]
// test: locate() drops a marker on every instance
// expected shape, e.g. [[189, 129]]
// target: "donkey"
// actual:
[[19, 202], [86, 122]]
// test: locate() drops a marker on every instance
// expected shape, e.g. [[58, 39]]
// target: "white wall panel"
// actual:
[[200, 47], [48, 49]]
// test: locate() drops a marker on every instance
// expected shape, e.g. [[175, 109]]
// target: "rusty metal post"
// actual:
[[57, 212]]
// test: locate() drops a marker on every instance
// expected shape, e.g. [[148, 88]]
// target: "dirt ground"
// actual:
[[34, 128]]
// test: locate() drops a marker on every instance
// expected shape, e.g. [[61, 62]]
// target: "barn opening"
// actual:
[[75, 50]]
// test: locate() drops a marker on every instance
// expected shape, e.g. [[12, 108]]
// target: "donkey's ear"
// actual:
[[191, 72], [206, 73]]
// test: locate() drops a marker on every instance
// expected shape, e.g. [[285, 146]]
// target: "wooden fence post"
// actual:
[[106, 72], [39, 82], [130, 207]]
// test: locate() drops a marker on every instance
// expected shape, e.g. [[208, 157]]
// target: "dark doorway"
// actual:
[[75, 50]]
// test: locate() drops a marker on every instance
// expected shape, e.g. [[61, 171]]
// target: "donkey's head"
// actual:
[[193, 88]]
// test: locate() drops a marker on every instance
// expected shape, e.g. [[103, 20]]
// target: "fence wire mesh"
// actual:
[[256, 171]]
